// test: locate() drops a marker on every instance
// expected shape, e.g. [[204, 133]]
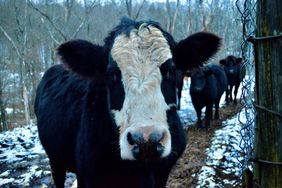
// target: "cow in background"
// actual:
[[109, 113], [235, 72], [207, 86]]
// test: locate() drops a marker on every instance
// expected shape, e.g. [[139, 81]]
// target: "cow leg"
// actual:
[[216, 105], [208, 115], [235, 94], [230, 93], [58, 173], [199, 121], [227, 95]]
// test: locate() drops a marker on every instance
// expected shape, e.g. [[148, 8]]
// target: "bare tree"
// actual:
[[3, 122], [190, 22], [130, 11], [171, 18]]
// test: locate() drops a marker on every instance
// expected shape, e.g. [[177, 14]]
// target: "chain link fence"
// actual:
[[247, 10]]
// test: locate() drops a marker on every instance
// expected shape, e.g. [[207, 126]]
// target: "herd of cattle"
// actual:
[[109, 112], [208, 83]]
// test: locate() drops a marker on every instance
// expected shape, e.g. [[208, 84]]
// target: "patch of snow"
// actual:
[[224, 155], [6, 181], [21, 142], [9, 110], [18, 148]]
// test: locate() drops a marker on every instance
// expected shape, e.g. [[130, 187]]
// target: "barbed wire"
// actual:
[[247, 114]]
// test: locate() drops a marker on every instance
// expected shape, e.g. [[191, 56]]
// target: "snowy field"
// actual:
[[21, 148]]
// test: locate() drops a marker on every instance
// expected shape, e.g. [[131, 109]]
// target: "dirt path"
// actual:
[[185, 173]]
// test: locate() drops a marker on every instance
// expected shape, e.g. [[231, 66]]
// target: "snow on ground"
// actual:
[[23, 160], [223, 156], [19, 146]]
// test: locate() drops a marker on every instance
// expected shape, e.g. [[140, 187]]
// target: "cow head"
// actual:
[[231, 64], [139, 61], [199, 78]]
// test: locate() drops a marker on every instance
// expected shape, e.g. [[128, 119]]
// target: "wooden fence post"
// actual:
[[268, 58]]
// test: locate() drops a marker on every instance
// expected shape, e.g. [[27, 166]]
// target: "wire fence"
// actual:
[[247, 113]]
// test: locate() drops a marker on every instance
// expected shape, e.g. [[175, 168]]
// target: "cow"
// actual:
[[235, 72], [207, 86], [108, 112]]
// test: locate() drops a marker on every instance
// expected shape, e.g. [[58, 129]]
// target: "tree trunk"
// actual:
[[268, 133], [171, 18], [189, 28], [3, 122], [26, 106]]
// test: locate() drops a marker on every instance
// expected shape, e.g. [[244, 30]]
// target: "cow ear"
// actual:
[[222, 62], [196, 50], [239, 60], [83, 57]]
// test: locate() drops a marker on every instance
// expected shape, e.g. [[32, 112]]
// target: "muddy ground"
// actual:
[[185, 173]]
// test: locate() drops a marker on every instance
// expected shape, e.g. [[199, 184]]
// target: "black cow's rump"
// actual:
[[90, 108], [207, 86]]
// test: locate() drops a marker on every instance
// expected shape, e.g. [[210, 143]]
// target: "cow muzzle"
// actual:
[[147, 143]]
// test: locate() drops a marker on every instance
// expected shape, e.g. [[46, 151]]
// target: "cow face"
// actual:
[[198, 79], [142, 120], [231, 64], [140, 61]]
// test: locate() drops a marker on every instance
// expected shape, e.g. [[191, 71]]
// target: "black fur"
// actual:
[[75, 124], [85, 58], [207, 86], [196, 49]]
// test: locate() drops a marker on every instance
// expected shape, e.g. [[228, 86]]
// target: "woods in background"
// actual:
[[31, 30]]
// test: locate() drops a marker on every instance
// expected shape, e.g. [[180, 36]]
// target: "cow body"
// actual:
[[109, 114], [235, 72], [207, 86]]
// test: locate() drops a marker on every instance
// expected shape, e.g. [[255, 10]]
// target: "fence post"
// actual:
[[268, 58]]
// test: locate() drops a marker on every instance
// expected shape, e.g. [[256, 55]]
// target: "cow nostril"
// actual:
[[156, 137], [135, 138], [130, 139]]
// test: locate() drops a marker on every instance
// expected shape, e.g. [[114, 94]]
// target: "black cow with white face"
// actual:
[[109, 114], [235, 72]]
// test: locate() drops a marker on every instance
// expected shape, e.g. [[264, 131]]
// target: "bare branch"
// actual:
[[12, 42], [129, 7], [88, 10], [139, 10], [49, 19], [50, 33]]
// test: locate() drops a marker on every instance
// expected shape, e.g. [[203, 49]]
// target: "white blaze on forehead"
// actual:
[[139, 57]]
